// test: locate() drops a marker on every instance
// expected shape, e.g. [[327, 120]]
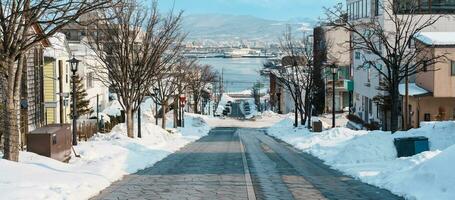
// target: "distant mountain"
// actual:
[[240, 27]]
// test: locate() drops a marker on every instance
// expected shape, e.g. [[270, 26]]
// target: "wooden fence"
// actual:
[[88, 128]]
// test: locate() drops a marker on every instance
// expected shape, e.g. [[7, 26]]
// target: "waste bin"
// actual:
[[317, 126], [53, 141], [411, 146]]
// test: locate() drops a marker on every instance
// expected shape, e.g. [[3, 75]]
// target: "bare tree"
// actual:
[[24, 24], [200, 77], [296, 73], [135, 46], [392, 47], [169, 85]]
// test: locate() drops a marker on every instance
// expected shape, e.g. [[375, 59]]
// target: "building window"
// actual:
[[369, 74], [427, 117], [452, 64], [370, 106], [90, 80], [426, 6], [357, 55], [376, 7]]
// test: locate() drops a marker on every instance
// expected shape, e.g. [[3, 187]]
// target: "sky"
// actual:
[[267, 9]]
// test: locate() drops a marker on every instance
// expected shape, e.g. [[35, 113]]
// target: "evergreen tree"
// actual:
[[82, 104]]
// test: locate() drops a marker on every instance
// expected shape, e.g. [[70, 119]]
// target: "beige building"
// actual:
[[332, 45], [367, 79], [432, 96]]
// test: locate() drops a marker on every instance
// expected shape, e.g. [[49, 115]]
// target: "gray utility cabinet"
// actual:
[[53, 141]]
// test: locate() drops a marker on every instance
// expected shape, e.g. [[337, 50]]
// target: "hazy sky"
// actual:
[[268, 9]]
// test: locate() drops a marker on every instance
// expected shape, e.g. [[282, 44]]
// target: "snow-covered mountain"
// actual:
[[239, 27]]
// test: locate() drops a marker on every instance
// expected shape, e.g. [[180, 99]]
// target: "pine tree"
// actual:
[[82, 104]]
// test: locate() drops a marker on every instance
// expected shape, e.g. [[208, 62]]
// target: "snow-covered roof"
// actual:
[[59, 46], [437, 38], [414, 90]]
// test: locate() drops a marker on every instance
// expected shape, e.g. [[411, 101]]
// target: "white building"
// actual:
[[366, 81], [88, 67]]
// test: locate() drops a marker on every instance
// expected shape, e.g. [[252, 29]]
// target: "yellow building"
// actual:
[[56, 81]]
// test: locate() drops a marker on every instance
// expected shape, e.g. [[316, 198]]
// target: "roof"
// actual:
[[436, 38], [414, 90]]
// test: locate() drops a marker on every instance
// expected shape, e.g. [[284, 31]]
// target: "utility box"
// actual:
[[411, 146], [317, 126], [53, 141]]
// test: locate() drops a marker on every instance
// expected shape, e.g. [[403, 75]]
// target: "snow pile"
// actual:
[[371, 157], [222, 104], [104, 159], [113, 109]]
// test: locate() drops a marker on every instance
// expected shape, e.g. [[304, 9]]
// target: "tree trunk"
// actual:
[[129, 122], [302, 117], [196, 102], [395, 101], [176, 109], [163, 112], [296, 118], [11, 134]]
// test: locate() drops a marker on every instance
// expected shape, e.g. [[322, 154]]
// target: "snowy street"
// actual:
[[212, 168]]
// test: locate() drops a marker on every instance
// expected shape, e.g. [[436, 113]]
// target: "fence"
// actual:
[[87, 128]]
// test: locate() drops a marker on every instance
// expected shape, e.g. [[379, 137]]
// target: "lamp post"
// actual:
[[74, 63], [279, 102], [334, 69], [155, 94]]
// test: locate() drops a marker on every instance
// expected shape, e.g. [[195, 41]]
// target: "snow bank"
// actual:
[[371, 157], [104, 159]]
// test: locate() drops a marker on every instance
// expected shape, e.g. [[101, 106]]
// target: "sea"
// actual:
[[239, 74]]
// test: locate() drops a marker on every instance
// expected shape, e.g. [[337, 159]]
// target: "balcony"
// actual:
[[344, 85]]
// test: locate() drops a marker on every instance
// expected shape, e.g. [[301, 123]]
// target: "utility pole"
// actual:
[[139, 134], [406, 102], [97, 113]]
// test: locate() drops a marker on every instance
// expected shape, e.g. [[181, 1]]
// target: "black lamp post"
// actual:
[[74, 63], [155, 94], [334, 69], [279, 102]]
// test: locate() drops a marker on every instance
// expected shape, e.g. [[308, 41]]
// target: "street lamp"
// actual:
[[74, 64], [279, 102], [334, 70]]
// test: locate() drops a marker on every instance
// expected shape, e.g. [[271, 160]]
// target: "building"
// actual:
[[280, 99], [91, 71], [90, 67], [432, 96], [57, 81], [331, 45], [32, 97], [367, 79]]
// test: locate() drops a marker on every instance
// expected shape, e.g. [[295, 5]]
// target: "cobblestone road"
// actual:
[[281, 172], [212, 168]]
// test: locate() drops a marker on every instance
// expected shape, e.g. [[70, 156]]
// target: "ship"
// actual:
[[246, 53]]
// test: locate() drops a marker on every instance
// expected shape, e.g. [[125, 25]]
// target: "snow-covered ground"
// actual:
[[105, 158], [371, 157]]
